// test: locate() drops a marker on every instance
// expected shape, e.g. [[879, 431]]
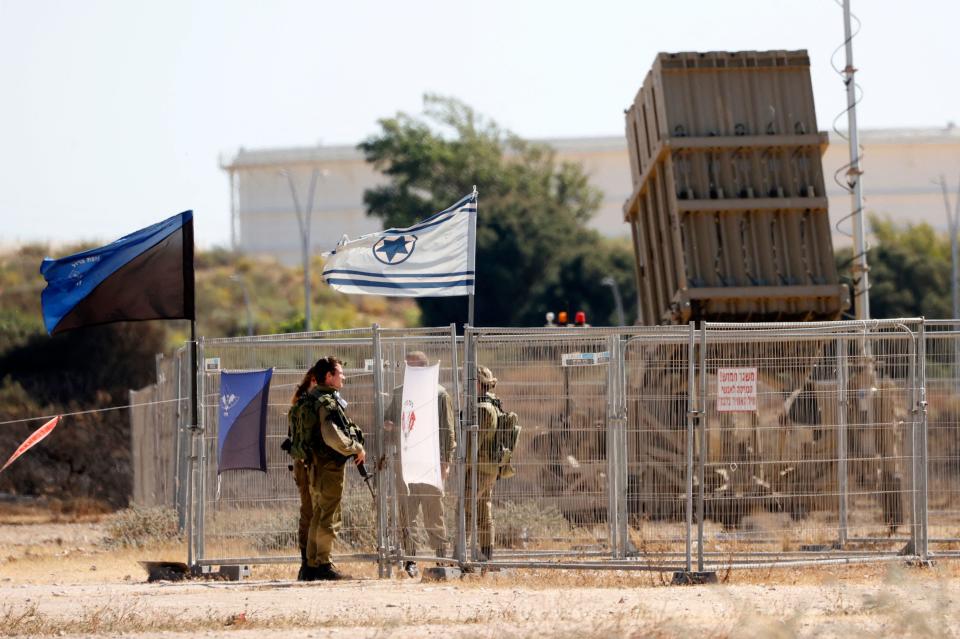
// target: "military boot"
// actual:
[[304, 569], [328, 572], [410, 567]]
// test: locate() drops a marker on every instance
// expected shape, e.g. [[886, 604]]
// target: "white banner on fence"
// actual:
[[420, 427], [584, 359], [737, 390]]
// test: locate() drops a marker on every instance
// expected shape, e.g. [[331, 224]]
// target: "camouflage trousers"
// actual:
[[483, 496], [301, 478], [429, 500], [326, 492]]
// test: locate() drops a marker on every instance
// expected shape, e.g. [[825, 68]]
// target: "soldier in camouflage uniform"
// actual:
[[335, 440], [416, 496], [487, 465]]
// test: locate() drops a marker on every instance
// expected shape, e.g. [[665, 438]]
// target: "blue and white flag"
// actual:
[[142, 276], [434, 258], [242, 429]]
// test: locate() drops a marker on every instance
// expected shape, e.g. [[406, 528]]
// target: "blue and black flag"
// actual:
[[143, 276], [241, 435]]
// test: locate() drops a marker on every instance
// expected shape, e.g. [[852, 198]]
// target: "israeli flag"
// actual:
[[435, 258]]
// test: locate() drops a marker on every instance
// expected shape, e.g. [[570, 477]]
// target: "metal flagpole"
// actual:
[[472, 260], [196, 442]]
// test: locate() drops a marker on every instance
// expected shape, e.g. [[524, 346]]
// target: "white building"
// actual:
[[901, 169]]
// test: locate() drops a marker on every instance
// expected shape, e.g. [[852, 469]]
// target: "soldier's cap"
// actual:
[[485, 377]]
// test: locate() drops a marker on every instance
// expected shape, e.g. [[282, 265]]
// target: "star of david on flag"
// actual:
[[434, 258], [393, 250]]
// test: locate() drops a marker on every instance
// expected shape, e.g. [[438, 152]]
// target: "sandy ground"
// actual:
[[58, 579]]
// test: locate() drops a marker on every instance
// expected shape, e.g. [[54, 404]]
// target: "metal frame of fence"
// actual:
[[158, 420], [629, 458]]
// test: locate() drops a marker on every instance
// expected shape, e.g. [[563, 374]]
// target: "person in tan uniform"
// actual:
[[416, 497], [487, 468], [333, 440]]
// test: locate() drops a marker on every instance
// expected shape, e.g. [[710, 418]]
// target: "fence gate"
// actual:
[[812, 445], [659, 376], [559, 504], [249, 517], [942, 366]]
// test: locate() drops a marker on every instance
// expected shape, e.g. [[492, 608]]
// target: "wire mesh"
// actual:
[[409, 505], [825, 459], [943, 427], [248, 514], [623, 430], [558, 499], [657, 398]]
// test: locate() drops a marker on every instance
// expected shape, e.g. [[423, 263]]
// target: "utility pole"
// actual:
[[303, 221], [860, 268]]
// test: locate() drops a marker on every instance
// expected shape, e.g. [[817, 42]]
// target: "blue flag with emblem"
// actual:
[[242, 431], [142, 276], [434, 258]]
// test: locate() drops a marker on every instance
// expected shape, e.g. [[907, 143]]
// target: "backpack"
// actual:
[[505, 438], [303, 420]]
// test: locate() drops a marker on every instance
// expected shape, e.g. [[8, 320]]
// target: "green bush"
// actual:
[[359, 530], [137, 527], [517, 525]]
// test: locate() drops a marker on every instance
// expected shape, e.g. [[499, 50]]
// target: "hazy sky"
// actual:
[[114, 113]]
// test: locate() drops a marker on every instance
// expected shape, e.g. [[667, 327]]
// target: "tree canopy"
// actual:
[[909, 270], [534, 251]]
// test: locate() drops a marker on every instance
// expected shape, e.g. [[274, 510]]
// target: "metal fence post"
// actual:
[[692, 415], [924, 550], [701, 474], [613, 475], [622, 449], [915, 532], [469, 419], [383, 569], [842, 471], [202, 453], [460, 448], [191, 493], [193, 513]]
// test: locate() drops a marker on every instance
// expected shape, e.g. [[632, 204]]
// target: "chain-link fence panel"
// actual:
[[246, 516], [641, 447], [811, 444], [420, 518], [943, 428], [659, 473]]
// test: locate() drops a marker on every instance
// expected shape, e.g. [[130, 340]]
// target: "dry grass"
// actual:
[[886, 599], [896, 608], [129, 619], [81, 509], [139, 527]]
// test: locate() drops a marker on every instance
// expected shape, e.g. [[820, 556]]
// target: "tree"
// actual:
[[909, 270], [534, 252]]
